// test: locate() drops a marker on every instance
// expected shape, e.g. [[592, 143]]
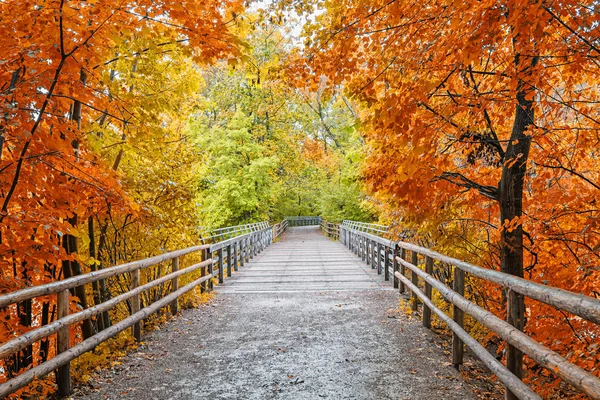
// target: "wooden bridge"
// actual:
[[309, 316]]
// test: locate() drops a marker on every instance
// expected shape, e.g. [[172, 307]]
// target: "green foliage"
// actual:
[[268, 150], [237, 177]]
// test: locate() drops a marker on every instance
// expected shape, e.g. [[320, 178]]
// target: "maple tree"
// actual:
[[60, 93]]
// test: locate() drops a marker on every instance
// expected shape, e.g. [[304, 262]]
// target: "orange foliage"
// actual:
[[56, 57]]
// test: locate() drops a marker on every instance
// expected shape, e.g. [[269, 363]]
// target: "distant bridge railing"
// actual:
[[330, 229], [217, 257], [303, 220], [279, 228], [217, 235], [391, 257]]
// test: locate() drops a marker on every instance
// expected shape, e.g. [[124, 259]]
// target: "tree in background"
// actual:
[[269, 150]]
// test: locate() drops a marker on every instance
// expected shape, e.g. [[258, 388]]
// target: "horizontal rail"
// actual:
[[70, 283], [545, 357], [64, 358], [504, 375], [42, 332], [331, 230], [303, 220], [376, 250], [580, 305]]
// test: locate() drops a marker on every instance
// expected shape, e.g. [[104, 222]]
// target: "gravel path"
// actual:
[[299, 343]]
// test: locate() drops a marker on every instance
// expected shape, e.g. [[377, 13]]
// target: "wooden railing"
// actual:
[[391, 258], [330, 229], [217, 258], [303, 220], [220, 234], [279, 228]]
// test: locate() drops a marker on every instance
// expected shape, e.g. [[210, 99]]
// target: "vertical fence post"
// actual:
[[402, 270], [135, 304], [414, 260], [220, 256], [515, 317], [395, 263], [428, 293], [378, 258], [229, 260], [203, 270], [174, 285], [63, 374], [458, 285], [361, 241], [211, 270], [386, 262], [242, 252], [235, 256]]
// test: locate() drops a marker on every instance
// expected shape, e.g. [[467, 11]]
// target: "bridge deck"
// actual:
[[304, 320], [304, 261]]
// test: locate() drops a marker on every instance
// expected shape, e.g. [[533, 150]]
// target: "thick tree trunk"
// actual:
[[511, 208]]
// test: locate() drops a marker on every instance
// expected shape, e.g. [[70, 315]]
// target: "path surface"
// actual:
[[304, 320]]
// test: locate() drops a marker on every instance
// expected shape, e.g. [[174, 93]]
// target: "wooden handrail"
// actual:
[[330, 229], [303, 220], [227, 254], [70, 283], [376, 251]]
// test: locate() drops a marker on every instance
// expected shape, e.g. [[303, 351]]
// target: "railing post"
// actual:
[[428, 293], [374, 255], [235, 256], [458, 285], [386, 262], [402, 270], [175, 285], [211, 270], [395, 263], [242, 251], [135, 304], [378, 257], [515, 317], [414, 260], [203, 271], [229, 260], [63, 374], [220, 255]]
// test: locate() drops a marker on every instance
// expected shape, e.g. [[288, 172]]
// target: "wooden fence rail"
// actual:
[[223, 255], [303, 220], [330, 229], [279, 228], [391, 257]]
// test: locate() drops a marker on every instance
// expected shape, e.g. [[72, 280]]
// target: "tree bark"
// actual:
[[510, 192]]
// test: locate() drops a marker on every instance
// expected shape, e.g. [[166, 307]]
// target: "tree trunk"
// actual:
[[511, 208], [72, 268]]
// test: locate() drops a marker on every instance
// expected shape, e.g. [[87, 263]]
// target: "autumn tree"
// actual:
[[60, 90]]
